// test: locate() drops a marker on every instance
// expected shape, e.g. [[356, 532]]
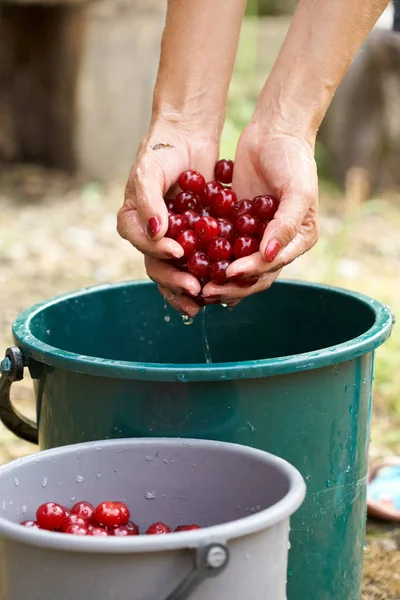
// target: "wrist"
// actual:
[[190, 117], [291, 108]]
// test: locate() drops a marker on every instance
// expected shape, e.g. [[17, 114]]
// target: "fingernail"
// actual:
[[154, 226], [272, 251], [190, 292], [213, 297], [235, 275], [175, 256]]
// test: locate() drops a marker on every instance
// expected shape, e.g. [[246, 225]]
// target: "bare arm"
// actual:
[[197, 56], [321, 43]]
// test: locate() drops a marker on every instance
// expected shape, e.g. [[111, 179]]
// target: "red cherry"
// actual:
[[244, 246], [84, 510], [191, 217], [199, 265], [186, 201], [122, 531], [31, 524], [187, 527], [170, 204], [188, 240], [241, 208], [191, 181], [224, 170], [176, 224], [50, 516], [218, 271], [219, 249], [206, 229], [76, 529], [98, 531], [74, 519], [132, 527], [211, 189], [226, 229], [224, 202], [246, 225], [265, 207], [124, 510], [111, 514], [158, 529]]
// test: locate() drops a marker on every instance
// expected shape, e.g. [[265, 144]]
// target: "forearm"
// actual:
[[197, 56], [322, 41]]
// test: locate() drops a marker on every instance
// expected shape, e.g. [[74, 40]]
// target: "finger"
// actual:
[[131, 228], [149, 181], [304, 241], [169, 277], [182, 304], [232, 292], [286, 223]]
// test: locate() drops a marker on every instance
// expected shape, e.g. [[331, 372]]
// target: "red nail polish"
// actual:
[[272, 251], [154, 226]]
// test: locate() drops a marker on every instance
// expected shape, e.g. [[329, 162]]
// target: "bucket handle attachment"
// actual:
[[209, 561], [12, 369]]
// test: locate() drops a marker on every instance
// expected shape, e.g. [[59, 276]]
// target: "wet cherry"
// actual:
[[84, 510], [224, 170], [158, 529], [111, 514], [218, 271], [186, 201], [224, 202], [246, 225], [188, 240], [176, 224], [199, 265], [219, 249], [265, 207], [50, 516], [206, 229], [187, 527], [244, 246], [191, 181]]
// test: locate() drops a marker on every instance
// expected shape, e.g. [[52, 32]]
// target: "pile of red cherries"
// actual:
[[106, 519], [213, 226]]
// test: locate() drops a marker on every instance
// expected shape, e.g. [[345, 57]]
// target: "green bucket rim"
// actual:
[[33, 348]]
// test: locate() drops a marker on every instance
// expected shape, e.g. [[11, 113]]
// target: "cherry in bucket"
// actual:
[[213, 226], [109, 518]]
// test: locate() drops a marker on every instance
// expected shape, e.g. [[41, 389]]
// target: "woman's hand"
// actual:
[[167, 150], [271, 162]]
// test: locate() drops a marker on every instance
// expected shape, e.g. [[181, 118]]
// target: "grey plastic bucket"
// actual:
[[241, 497]]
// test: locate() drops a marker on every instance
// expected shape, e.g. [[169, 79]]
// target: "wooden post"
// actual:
[[76, 81]]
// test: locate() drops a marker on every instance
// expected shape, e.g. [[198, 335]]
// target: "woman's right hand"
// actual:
[[167, 151]]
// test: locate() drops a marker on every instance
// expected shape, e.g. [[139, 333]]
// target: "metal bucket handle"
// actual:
[[12, 369], [210, 561]]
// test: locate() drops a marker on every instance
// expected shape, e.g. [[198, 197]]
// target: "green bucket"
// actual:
[[291, 374]]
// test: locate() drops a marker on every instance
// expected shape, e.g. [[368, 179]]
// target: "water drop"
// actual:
[[186, 320], [328, 483], [165, 461], [172, 461], [79, 479], [290, 572], [194, 466], [167, 318], [289, 545], [348, 469], [163, 495], [72, 498], [150, 495], [204, 337], [24, 510], [44, 482], [351, 408], [16, 482], [98, 475], [3, 504], [181, 377], [207, 464], [149, 458]]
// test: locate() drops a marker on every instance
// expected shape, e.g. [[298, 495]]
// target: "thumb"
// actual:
[[285, 225], [149, 181]]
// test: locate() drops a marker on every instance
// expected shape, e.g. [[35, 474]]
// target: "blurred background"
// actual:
[[75, 98]]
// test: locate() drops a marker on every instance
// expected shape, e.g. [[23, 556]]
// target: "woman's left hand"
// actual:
[[271, 162]]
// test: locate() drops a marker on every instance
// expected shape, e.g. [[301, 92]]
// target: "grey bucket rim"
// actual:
[[262, 520], [38, 350]]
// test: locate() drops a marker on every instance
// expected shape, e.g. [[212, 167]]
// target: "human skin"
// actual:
[[275, 153]]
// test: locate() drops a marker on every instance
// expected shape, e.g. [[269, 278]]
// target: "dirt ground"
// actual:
[[57, 235]]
